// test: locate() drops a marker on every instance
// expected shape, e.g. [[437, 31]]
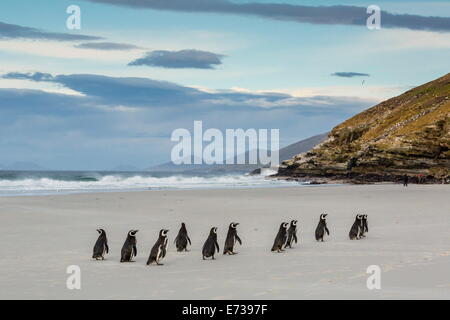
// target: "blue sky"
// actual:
[[230, 64]]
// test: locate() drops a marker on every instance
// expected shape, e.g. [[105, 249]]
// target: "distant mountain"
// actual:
[[125, 168], [408, 134], [284, 154], [301, 146], [23, 166]]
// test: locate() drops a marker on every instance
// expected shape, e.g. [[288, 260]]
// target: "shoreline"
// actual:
[[38, 193], [335, 183], [357, 179]]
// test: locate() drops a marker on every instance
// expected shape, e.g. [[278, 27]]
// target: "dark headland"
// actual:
[[406, 135]]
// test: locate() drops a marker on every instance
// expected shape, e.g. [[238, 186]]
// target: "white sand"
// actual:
[[409, 239]]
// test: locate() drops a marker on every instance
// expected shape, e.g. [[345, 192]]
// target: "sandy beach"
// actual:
[[408, 238]]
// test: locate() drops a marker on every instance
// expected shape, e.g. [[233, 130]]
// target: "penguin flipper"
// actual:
[[295, 238], [134, 251], [239, 240], [188, 240], [328, 231], [106, 246], [217, 246]]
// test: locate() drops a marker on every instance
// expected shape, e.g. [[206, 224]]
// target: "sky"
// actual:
[[112, 92]]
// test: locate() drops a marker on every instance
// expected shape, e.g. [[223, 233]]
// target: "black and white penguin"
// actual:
[[232, 237], [182, 239], [281, 238], [129, 247], [159, 249], [322, 228], [101, 246], [365, 226], [292, 234], [356, 229], [210, 246]]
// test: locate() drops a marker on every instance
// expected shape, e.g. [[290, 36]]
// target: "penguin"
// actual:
[[182, 239], [322, 228], [281, 238], [232, 237], [292, 234], [365, 226], [356, 229], [159, 249], [210, 246], [129, 247], [101, 246]]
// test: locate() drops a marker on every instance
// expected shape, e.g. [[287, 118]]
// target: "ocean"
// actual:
[[15, 183]]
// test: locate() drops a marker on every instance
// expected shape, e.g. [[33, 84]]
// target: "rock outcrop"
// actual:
[[408, 134]]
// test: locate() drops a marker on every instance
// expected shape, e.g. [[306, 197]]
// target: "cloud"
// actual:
[[130, 120], [350, 74], [148, 93], [34, 76], [106, 46], [189, 58], [341, 15], [13, 31]]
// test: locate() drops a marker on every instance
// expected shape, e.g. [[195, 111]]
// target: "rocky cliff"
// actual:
[[408, 134]]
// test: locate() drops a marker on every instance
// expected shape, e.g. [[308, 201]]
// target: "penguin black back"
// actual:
[[232, 237], [365, 226], [291, 234], [322, 228], [211, 244], [159, 249], [101, 246], [129, 249], [182, 239], [280, 238], [356, 229]]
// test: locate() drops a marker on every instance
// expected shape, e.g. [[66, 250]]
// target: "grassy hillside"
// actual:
[[408, 134]]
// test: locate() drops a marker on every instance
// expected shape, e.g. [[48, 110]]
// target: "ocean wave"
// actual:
[[117, 182]]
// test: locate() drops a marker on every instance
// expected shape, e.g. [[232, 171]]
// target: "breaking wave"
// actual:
[[36, 185]]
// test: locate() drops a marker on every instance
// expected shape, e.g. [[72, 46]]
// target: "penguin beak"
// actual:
[[136, 231], [236, 224], [98, 230]]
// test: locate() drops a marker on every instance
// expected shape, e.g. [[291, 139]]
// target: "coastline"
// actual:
[[408, 239], [360, 179]]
